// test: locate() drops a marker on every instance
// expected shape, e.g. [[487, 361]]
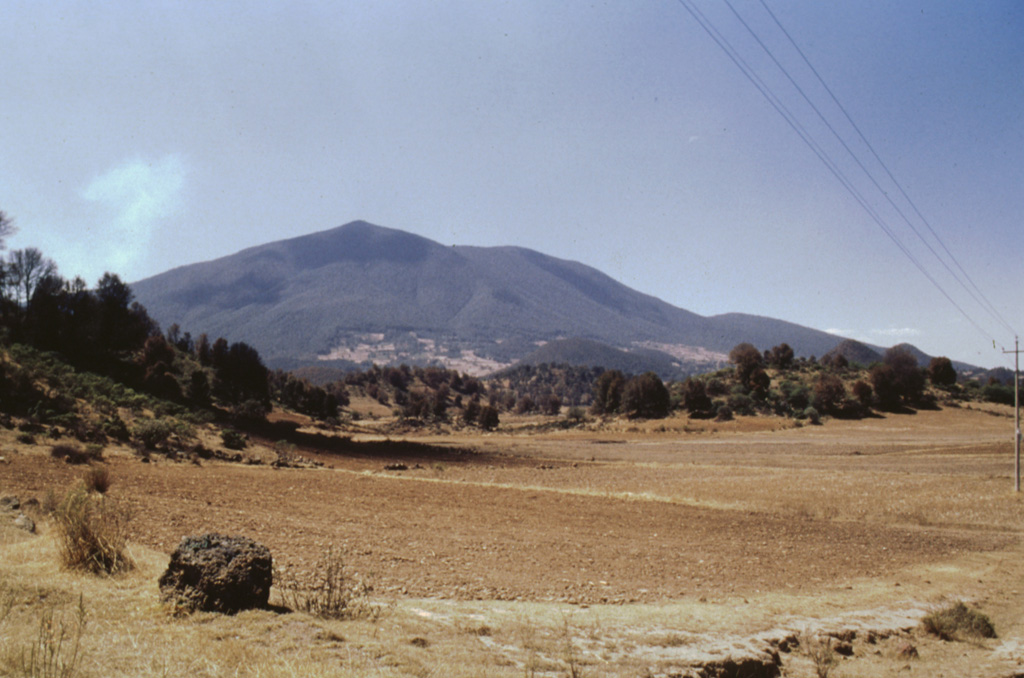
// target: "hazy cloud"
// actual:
[[138, 194]]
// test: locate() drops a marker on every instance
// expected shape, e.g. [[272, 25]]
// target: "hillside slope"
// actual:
[[360, 293]]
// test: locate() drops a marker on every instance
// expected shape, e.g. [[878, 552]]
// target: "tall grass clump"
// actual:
[[92, 532], [958, 622], [97, 479]]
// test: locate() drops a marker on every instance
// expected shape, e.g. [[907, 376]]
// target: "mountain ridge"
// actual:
[[360, 293]]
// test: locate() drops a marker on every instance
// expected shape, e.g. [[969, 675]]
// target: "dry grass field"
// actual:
[[640, 549]]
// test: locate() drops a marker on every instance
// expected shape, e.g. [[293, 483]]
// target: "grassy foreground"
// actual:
[[58, 623]]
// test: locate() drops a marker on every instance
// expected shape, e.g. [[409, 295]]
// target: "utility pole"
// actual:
[[1016, 411]]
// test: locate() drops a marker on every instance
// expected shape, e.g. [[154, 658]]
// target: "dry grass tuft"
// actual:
[[821, 653], [334, 594], [92, 532], [958, 622], [97, 479]]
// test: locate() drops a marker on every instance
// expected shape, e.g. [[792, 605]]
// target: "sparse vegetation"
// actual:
[[335, 592], [97, 479], [958, 622], [821, 653], [92, 532], [232, 439]]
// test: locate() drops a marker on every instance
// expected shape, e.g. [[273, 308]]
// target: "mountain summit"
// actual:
[[361, 293]]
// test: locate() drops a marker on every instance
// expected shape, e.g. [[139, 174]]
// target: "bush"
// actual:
[[724, 413], [233, 440], [576, 415], [998, 393], [811, 415], [152, 433], [958, 622], [92, 533], [73, 454], [115, 427], [741, 404]]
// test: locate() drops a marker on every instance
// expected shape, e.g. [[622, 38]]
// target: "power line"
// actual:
[[983, 301], [822, 155]]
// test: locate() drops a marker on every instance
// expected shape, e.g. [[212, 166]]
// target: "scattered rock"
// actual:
[[396, 467], [23, 522], [218, 573], [844, 648], [788, 643], [907, 651], [9, 504]]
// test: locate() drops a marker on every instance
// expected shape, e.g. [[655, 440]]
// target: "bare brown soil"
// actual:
[[630, 516]]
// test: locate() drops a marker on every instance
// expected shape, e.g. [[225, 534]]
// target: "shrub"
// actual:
[[998, 393], [152, 433], [576, 414], [811, 415], [232, 439], [724, 413], [957, 622], [115, 427], [92, 532], [73, 454], [741, 404]]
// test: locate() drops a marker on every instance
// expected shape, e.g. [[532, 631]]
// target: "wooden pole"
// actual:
[[1016, 413]]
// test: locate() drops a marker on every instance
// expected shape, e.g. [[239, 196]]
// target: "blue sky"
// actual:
[[142, 136]]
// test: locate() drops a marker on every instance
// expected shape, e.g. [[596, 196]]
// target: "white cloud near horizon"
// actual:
[[137, 194], [879, 336]]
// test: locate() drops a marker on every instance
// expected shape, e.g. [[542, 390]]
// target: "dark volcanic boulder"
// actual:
[[216, 573]]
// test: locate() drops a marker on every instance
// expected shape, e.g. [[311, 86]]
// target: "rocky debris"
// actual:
[[10, 510], [907, 650], [396, 467], [218, 573], [843, 648], [23, 522], [699, 655]]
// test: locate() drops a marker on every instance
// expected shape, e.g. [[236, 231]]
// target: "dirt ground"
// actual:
[[903, 508]]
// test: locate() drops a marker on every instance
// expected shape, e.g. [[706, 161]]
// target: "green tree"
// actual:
[[608, 392], [829, 394], [941, 371], [746, 358], [862, 392], [488, 418], [645, 397], [781, 357], [908, 377], [695, 397]]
